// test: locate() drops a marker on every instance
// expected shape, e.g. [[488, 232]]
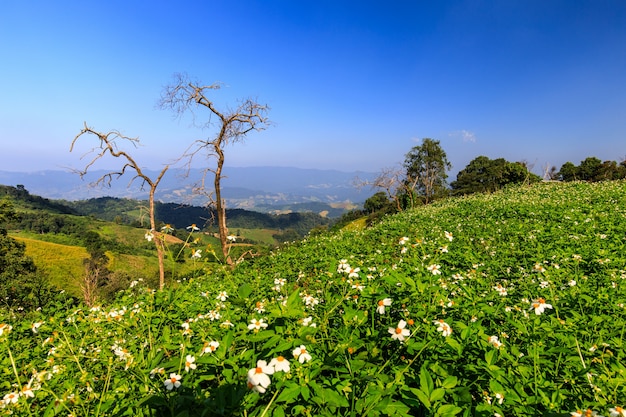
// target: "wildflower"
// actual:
[[539, 268], [27, 391], [343, 266], [231, 238], [444, 249], [5, 328], [222, 296], [400, 332], [258, 378], [358, 286], [257, 324], [173, 381], [493, 340], [160, 371], [587, 413], [353, 272], [540, 305], [617, 412], [443, 327], [210, 347], [197, 254], [403, 240], [190, 363], [214, 315], [572, 283], [35, 326], [10, 398], [434, 269], [193, 228], [259, 307], [301, 354], [167, 228], [133, 283], [501, 290], [227, 324], [280, 364], [149, 236], [385, 302], [308, 321], [500, 398], [448, 236]]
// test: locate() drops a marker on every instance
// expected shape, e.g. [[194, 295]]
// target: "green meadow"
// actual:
[[502, 304]]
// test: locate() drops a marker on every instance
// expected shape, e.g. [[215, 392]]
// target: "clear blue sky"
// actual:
[[352, 85]]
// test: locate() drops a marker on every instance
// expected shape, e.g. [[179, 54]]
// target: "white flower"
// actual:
[[190, 363], [308, 321], [222, 296], [280, 364], [301, 354], [193, 228], [448, 236], [403, 240], [197, 254], [35, 326], [231, 238], [434, 269], [493, 340], [385, 302], [210, 347], [617, 412], [400, 332], [257, 324], [443, 327], [173, 381], [258, 378], [540, 305], [149, 236], [11, 398]]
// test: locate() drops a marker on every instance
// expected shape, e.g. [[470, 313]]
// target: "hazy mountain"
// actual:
[[253, 188]]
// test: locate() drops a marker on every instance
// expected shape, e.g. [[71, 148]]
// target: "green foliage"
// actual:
[[593, 170], [509, 303], [488, 175], [21, 285], [426, 171]]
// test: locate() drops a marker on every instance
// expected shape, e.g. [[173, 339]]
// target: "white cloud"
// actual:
[[465, 135]]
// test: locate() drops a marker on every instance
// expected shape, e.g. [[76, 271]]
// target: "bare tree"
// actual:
[[109, 146], [228, 126], [393, 182]]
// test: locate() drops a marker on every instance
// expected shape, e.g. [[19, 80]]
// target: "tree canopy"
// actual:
[[487, 175]]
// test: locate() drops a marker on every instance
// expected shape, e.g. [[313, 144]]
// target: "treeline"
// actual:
[[590, 169], [179, 216], [422, 179]]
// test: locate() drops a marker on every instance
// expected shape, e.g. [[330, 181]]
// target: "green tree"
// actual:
[[377, 202], [589, 169], [488, 175], [568, 172], [20, 283], [426, 166]]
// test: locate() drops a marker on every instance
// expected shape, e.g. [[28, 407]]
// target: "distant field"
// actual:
[[63, 264]]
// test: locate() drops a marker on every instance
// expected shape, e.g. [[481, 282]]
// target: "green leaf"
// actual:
[[448, 410], [288, 394], [244, 290], [449, 382], [426, 381], [437, 394]]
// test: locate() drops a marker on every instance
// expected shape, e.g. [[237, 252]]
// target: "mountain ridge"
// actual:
[[263, 188]]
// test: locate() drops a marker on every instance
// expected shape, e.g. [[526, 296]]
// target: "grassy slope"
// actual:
[[518, 238], [63, 264]]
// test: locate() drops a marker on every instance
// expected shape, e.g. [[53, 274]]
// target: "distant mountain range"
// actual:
[[265, 189]]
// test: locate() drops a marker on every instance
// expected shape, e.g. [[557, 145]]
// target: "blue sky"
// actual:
[[352, 85]]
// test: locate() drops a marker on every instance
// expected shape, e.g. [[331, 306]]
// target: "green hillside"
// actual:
[[511, 303]]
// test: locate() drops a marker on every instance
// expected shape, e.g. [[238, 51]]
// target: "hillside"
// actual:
[[509, 303]]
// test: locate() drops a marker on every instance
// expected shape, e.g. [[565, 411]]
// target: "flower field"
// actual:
[[507, 304]]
